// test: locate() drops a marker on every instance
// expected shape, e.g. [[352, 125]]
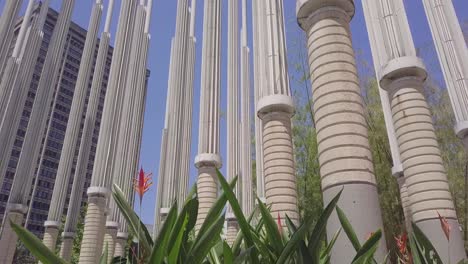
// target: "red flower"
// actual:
[[142, 183], [401, 242], [445, 226], [280, 226]]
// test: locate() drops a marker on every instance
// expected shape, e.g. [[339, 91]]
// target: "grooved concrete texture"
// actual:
[[425, 175], [120, 245], [342, 134], [207, 185], [66, 248], [8, 249], [110, 240], [91, 246], [405, 202], [50, 237], [278, 157], [232, 230]]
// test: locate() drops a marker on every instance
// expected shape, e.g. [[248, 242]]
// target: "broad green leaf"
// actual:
[[35, 246], [303, 255], [161, 244], [349, 230], [244, 225], [414, 249], [178, 231], [240, 236], [206, 242], [273, 235], [134, 222], [428, 250], [227, 254], [369, 247], [243, 256], [103, 259], [320, 227], [180, 224], [214, 256], [367, 257]]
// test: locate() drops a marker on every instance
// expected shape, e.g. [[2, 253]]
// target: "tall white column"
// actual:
[[259, 80], [98, 192], [12, 113], [276, 108], [246, 192], [342, 133], [7, 25], [173, 174], [21, 186], [208, 158], [74, 207], [233, 124], [453, 57], [67, 156], [13, 63], [402, 74]]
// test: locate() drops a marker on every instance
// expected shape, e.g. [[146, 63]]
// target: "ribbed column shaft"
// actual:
[[342, 133], [93, 234], [246, 192], [8, 235], [67, 156], [259, 64], [66, 248], [110, 122], [14, 109], [402, 74], [233, 158], [405, 202], [276, 108], [208, 158], [453, 57], [74, 207], [7, 25], [171, 168], [10, 70]]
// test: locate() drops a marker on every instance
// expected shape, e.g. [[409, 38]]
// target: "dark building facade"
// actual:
[[53, 136]]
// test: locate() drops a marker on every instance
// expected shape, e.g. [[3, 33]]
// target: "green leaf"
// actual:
[[243, 256], [414, 249], [161, 245], [273, 235], [369, 248], [206, 242], [243, 224], [103, 259], [320, 227], [426, 247], [134, 222], [348, 229], [330, 245], [178, 231], [214, 256], [240, 235], [227, 254], [303, 255], [35, 246]]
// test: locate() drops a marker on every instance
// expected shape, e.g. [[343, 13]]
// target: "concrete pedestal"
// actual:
[[425, 175], [93, 234], [121, 245], [66, 249], [50, 234], [9, 238], [110, 237], [207, 185], [342, 133], [278, 156], [232, 230]]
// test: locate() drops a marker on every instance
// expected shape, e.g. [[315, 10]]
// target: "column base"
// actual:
[[232, 230], [93, 234], [66, 248], [121, 245], [50, 234], [432, 229], [110, 237], [357, 200], [9, 238], [461, 129], [207, 184]]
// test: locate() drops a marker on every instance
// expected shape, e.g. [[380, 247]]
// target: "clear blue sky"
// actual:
[[162, 30]]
